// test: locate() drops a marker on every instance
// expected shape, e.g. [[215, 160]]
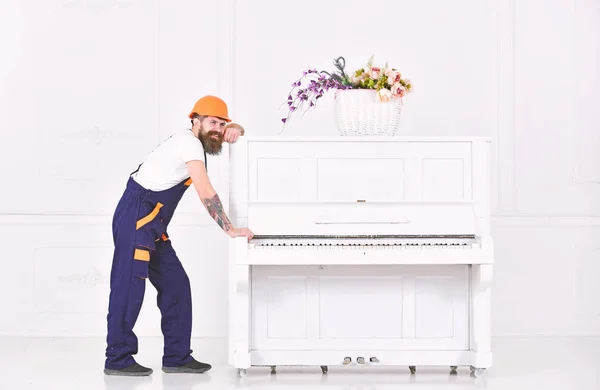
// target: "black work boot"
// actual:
[[193, 367], [133, 370]]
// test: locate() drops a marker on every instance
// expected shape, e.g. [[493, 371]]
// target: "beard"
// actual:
[[212, 141]]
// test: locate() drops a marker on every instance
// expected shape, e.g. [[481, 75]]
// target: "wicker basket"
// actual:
[[359, 112]]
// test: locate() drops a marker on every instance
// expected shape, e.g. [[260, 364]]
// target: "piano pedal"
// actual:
[[374, 360], [360, 360], [347, 360]]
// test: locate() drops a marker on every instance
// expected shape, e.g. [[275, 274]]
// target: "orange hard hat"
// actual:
[[211, 106]]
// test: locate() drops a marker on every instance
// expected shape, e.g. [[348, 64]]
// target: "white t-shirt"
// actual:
[[165, 165]]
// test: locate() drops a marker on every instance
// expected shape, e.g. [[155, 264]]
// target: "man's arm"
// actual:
[[215, 209], [210, 199], [208, 196], [232, 132]]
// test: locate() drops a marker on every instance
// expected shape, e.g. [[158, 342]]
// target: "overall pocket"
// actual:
[[149, 229], [141, 261]]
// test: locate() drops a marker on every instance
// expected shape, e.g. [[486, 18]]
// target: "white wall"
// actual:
[[89, 87]]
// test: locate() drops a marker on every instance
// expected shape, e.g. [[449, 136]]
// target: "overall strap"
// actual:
[[138, 168]]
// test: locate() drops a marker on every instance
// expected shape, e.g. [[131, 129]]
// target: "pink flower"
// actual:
[[375, 72], [394, 77], [398, 90], [384, 94]]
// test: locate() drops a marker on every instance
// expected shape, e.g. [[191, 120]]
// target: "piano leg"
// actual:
[[481, 349], [239, 314]]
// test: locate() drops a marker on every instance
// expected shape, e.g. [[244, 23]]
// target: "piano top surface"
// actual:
[[300, 138]]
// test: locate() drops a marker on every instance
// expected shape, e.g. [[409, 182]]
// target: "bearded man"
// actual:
[[143, 249]]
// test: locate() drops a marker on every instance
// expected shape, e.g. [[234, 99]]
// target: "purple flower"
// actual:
[[316, 84]]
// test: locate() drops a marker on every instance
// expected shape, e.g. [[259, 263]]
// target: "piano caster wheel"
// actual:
[[453, 369], [273, 369], [242, 372], [324, 369], [412, 369], [477, 372]]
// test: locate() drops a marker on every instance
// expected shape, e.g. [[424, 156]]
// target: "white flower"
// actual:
[[384, 94], [355, 80], [374, 72]]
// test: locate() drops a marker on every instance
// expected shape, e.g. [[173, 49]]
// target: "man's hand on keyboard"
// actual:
[[241, 232]]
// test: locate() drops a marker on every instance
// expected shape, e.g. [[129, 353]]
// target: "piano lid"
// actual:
[[351, 219]]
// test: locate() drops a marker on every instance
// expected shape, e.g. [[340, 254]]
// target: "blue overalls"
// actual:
[[143, 250]]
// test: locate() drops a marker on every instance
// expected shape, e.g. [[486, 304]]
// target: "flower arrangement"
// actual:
[[388, 83]]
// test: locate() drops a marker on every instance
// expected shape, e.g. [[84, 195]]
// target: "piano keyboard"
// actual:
[[364, 242], [374, 249]]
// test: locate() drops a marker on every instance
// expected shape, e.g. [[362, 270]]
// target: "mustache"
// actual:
[[211, 133]]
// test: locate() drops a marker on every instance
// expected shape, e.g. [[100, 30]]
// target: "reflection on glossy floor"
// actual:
[[43, 363]]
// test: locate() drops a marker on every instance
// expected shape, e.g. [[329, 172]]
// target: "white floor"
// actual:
[[43, 363]]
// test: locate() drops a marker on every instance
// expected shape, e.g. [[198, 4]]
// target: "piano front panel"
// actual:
[[346, 309], [351, 179], [349, 171], [443, 179], [277, 179], [289, 307], [360, 307], [435, 311]]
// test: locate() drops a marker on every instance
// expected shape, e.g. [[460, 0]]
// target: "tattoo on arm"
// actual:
[[215, 209]]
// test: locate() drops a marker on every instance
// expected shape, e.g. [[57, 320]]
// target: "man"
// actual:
[[143, 249]]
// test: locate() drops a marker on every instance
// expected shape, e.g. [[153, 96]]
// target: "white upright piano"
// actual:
[[368, 250]]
